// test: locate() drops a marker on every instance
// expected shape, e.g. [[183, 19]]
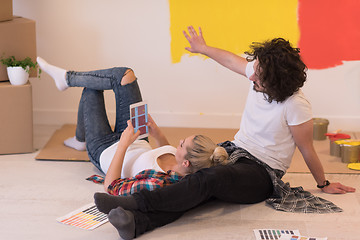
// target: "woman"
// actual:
[[118, 153]]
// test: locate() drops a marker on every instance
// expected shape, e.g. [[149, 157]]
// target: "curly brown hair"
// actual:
[[281, 70]]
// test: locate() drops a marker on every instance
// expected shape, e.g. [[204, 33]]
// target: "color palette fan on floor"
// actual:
[[87, 217]]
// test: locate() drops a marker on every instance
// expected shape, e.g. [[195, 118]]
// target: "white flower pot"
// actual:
[[17, 75]]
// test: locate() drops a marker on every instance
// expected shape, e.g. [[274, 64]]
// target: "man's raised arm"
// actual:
[[227, 59]]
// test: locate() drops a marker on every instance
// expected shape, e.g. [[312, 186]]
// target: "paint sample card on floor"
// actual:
[[273, 234], [297, 237], [87, 217]]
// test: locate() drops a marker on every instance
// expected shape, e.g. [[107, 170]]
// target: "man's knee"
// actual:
[[128, 77], [214, 175]]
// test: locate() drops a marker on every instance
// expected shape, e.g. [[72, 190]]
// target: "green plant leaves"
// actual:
[[12, 62]]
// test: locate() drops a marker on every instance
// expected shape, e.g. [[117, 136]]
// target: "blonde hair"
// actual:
[[205, 153]]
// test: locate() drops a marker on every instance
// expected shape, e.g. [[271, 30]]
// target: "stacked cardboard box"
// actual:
[[17, 38], [6, 10], [16, 118]]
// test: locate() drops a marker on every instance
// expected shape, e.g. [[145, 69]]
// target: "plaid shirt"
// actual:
[[149, 179]]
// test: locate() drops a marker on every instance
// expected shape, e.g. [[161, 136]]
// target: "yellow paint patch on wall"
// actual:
[[232, 24]]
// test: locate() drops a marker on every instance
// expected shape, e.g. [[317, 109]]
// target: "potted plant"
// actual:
[[18, 70]]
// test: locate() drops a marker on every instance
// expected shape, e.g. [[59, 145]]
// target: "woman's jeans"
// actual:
[[244, 182], [92, 123]]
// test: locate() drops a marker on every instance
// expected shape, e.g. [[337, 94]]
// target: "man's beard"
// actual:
[[256, 87]]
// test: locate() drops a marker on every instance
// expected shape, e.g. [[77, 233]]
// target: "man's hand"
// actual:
[[227, 59], [197, 42], [337, 188]]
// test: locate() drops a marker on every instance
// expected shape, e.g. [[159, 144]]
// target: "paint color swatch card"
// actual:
[[296, 237], [87, 217], [272, 234], [139, 118]]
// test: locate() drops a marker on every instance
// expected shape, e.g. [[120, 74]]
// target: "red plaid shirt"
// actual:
[[148, 179]]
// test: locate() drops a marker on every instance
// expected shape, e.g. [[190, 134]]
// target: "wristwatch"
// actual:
[[326, 183]]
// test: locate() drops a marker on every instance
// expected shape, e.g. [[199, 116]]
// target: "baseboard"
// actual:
[[187, 119]]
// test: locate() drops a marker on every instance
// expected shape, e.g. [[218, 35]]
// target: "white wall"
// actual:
[[91, 34]]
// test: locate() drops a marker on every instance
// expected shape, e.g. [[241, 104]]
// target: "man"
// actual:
[[276, 119]]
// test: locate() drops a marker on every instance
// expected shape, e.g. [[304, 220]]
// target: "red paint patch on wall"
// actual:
[[329, 32]]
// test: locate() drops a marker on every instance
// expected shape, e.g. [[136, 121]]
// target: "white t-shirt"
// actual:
[[264, 129], [138, 157]]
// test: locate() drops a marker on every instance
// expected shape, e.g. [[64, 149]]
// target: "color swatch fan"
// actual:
[[139, 118], [87, 217]]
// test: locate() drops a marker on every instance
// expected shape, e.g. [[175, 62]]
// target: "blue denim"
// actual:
[[92, 124]]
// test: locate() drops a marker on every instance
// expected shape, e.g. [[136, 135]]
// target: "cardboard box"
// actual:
[[16, 118], [17, 38], [6, 10]]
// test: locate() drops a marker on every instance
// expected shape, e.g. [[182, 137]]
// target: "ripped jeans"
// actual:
[[92, 123]]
